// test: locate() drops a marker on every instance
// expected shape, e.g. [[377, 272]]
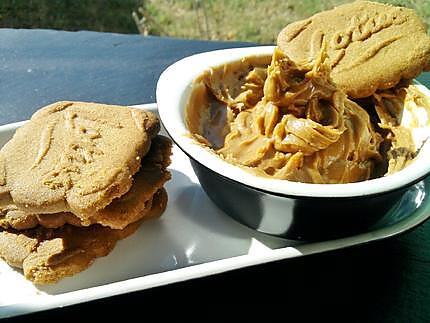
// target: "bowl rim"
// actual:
[[173, 89]]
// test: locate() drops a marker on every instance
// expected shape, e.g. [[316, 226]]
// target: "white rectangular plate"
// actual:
[[192, 239]]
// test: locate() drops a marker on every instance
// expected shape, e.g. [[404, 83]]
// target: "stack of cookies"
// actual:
[[74, 180]]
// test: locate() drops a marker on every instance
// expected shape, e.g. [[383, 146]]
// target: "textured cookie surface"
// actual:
[[74, 157], [48, 255], [124, 210], [370, 45], [149, 180]]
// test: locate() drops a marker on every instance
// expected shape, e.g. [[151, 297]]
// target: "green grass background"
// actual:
[[248, 20]]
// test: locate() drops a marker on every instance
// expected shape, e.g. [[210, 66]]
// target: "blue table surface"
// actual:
[[384, 281], [38, 67]]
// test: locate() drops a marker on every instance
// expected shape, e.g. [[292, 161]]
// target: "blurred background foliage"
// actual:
[[247, 20]]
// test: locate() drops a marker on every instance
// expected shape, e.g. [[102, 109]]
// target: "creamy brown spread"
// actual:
[[287, 120]]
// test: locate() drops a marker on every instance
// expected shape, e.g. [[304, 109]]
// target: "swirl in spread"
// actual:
[[289, 121]]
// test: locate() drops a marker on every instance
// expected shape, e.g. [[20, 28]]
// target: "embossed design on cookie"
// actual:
[[362, 28], [80, 148], [297, 29], [316, 42], [44, 143], [61, 107], [337, 58], [340, 40], [69, 118], [370, 53]]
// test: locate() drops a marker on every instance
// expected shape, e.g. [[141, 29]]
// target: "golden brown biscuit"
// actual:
[[48, 255], [370, 45], [74, 157], [150, 179], [122, 211]]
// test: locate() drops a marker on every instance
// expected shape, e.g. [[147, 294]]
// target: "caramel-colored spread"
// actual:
[[288, 120]]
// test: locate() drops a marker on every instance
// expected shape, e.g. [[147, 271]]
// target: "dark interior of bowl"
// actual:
[[296, 218]]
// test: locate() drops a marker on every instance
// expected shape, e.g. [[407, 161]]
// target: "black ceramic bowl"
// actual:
[[278, 207]]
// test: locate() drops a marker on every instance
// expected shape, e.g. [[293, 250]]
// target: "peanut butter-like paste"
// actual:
[[288, 120]]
